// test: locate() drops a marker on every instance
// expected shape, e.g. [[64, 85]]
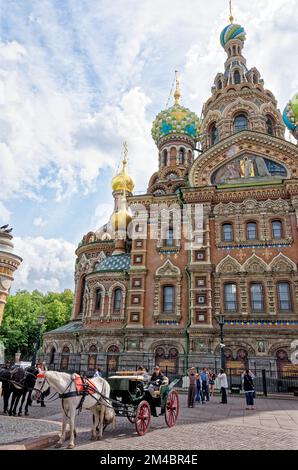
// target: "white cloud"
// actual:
[[48, 264], [4, 214], [101, 216], [39, 222]]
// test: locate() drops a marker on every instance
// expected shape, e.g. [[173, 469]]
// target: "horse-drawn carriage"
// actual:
[[131, 398]]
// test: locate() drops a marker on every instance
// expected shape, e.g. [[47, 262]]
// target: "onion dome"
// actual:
[[290, 115], [176, 121], [123, 181], [232, 31], [121, 218]]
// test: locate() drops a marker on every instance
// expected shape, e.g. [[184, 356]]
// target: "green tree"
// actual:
[[19, 328]]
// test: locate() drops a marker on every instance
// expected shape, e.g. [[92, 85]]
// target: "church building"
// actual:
[[214, 236]]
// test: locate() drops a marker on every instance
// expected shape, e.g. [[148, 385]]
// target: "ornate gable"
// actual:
[[255, 265], [282, 264], [228, 265]]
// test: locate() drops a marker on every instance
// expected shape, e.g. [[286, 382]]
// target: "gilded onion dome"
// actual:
[[121, 218], [176, 121], [123, 181], [290, 115]]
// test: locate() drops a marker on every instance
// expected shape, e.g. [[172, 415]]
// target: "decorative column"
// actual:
[[9, 263]]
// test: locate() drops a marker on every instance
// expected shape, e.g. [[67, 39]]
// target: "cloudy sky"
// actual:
[[78, 77]]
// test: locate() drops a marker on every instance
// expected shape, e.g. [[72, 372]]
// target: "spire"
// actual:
[[231, 13], [177, 94]]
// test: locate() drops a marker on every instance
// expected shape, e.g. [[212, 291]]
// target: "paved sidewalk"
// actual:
[[13, 429], [273, 425]]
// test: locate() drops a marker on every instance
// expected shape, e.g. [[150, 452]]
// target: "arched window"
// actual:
[[227, 233], [230, 297], [112, 358], [240, 123], [117, 299], [181, 156], [237, 77], [277, 229], [219, 84], [270, 125], [169, 241], [284, 296], [257, 297], [164, 158], [97, 300], [92, 357], [251, 231], [168, 299], [65, 358], [214, 134], [83, 285], [255, 78]]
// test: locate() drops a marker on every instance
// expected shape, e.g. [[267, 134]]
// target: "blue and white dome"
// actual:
[[232, 31]]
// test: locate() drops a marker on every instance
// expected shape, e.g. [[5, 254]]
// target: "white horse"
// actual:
[[95, 401]]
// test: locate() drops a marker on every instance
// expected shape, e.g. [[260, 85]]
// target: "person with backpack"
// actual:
[[249, 389]]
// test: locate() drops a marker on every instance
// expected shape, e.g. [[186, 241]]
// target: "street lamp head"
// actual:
[[40, 320], [220, 318]]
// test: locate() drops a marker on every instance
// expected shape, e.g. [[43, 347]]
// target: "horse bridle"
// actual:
[[41, 376]]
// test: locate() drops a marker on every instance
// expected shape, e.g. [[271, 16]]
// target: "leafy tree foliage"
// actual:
[[19, 328]]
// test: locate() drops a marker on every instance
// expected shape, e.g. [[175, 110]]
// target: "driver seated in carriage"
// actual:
[[157, 379]]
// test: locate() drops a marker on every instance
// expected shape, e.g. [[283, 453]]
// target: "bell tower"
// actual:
[[9, 263]]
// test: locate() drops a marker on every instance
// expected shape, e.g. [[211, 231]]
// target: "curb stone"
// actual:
[[33, 443]]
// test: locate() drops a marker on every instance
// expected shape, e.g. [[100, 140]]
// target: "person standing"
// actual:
[[205, 390], [199, 396], [41, 367], [212, 378], [98, 372], [249, 389], [223, 385], [191, 388]]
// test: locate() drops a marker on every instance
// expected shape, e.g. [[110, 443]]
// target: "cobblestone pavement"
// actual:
[[273, 425], [17, 429]]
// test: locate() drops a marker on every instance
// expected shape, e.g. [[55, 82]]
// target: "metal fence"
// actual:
[[265, 381]]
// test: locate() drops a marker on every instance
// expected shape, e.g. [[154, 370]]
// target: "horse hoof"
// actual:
[[58, 445], [26, 413], [70, 446], [20, 414]]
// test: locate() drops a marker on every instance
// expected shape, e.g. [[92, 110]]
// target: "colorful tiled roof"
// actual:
[[115, 263]]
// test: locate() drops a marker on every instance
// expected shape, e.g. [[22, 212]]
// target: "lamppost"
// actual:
[[221, 321], [40, 321]]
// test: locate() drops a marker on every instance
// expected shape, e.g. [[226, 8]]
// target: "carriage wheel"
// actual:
[[172, 408], [143, 416]]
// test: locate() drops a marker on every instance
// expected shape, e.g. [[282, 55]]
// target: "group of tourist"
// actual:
[[202, 385]]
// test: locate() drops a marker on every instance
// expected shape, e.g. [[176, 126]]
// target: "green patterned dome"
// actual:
[[176, 120], [290, 115]]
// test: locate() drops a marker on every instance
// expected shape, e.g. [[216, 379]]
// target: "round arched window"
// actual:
[[240, 123]]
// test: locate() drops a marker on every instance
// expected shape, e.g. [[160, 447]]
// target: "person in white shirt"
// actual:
[[223, 385]]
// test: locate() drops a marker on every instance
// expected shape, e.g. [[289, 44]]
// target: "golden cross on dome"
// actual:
[[177, 94], [231, 13], [125, 152]]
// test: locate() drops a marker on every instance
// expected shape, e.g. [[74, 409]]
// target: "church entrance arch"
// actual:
[[167, 359]]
